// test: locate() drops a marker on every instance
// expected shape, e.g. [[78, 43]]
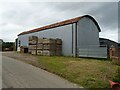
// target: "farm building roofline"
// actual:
[[110, 40], [69, 21]]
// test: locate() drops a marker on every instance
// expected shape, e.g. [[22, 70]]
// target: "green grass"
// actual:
[[89, 73]]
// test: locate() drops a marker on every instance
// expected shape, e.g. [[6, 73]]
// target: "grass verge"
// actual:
[[90, 73]]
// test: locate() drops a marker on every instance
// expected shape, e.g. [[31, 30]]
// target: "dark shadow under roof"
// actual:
[[69, 21], [108, 40]]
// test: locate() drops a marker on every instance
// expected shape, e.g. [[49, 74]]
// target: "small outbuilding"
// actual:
[[113, 48], [80, 36]]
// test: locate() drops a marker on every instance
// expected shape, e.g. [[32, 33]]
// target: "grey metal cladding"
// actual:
[[88, 33], [62, 32]]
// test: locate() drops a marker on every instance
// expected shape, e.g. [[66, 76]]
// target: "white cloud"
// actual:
[[22, 16], [9, 31], [59, 1], [111, 34]]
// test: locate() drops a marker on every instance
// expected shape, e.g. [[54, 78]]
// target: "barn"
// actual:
[[80, 36]]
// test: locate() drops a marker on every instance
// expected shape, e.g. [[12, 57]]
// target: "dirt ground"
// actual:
[[23, 57]]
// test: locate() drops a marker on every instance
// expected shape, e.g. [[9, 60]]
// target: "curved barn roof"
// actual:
[[69, 21]]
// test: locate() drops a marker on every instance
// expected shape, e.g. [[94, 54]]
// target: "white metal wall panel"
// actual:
[[88, 33], [62, 32], [96, 52], [88, 40]]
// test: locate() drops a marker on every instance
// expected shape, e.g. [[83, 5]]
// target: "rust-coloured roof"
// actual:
[[70, 21]]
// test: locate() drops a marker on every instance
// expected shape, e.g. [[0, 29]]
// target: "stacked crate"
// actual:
[[40, 46], [33, 45], [48, 47], [58, 47], [45, 46]]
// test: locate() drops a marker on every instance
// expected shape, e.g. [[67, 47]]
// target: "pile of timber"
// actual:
[[45, 46]]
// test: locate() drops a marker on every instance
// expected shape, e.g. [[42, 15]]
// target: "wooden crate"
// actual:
[[58, 41], [48, 53], [32, 42], [49, 47], [58, 47], [40, 46], [39, 52], [40, 40], [45, 46], [29, 51], [33, 38], [49, 41], [32, 46], [33, 52]]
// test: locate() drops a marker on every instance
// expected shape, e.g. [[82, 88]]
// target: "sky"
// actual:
[[16, 17]]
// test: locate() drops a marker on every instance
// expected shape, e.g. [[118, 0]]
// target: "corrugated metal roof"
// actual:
[[70, 21]]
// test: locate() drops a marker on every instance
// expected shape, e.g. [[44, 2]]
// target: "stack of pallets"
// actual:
[[45, 46], [49, 47], [33, 44], [40, 46], [58, 50]]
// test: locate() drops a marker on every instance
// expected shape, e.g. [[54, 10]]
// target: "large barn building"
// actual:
[[80, 36]]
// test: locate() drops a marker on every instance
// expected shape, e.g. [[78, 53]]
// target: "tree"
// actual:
[[8, 45]]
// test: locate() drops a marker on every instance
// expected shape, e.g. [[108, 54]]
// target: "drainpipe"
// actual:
[[72, 40], [76, 39]]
